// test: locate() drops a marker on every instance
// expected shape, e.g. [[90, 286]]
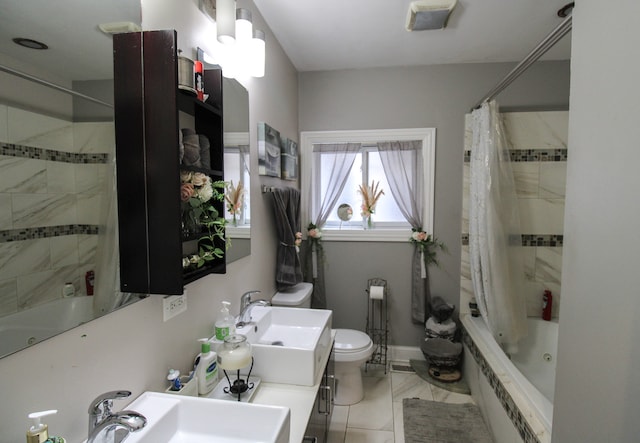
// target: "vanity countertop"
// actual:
[[299, 399]]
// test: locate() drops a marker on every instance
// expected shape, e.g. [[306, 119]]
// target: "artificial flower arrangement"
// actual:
[[234, 197], [370, 197], [427, 245], [197, 192], [314, 236]]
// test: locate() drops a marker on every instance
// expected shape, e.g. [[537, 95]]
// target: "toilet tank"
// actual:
[[297, 296]]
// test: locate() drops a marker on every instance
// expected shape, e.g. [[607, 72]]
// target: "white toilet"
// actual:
[[352, 348], [298, 296]]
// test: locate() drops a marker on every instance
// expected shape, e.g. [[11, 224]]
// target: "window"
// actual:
[[236, 171], [318, 169]]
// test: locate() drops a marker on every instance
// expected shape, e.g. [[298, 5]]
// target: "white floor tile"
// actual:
[[355, 435], [409, 385], [398, 423], [375, 410], [338, 426]]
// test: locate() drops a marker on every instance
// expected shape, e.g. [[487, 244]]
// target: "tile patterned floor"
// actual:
[[378, 417]]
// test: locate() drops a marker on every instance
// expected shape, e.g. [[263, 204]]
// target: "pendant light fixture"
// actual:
[[226, 21]]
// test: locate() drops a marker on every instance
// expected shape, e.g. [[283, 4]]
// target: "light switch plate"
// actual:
[[173, 305]]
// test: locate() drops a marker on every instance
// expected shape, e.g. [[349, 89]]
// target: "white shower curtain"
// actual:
[[495, 239]]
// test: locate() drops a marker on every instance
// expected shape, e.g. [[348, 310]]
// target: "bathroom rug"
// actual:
[[436, 422]]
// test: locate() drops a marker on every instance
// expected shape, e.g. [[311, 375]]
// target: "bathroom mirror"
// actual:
[[345, 212], [56, 154], [235, 103]]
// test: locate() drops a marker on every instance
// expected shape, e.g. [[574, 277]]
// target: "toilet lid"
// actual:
[[350, 340]]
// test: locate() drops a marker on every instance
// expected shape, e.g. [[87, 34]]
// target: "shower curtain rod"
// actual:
[[547, 43], [52, 85]]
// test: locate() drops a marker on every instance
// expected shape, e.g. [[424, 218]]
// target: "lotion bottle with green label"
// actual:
[[207, 369]]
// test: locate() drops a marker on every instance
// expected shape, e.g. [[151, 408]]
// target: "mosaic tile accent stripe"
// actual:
[[531, 155], [505, 399], [548, 240], [15, 150], [47, 231]]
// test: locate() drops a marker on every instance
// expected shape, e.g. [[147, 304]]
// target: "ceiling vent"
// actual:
[[429, 14]]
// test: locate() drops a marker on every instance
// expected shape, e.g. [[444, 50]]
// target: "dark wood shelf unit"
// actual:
[[147, 105]]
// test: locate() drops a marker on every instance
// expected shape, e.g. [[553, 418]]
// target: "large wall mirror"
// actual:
[[235, 102], [57, 197]]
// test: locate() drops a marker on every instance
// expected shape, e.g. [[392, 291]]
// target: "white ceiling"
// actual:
[[78, 50], [315, 34], [350, 34]]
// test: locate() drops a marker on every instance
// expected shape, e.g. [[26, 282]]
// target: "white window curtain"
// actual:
[[402, 163], [343, 155], [495, 239]]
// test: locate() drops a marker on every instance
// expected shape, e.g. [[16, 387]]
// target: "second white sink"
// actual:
[[176, 419], [288, 344]]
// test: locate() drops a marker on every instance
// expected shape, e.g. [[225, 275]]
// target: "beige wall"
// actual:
[[132, 348]]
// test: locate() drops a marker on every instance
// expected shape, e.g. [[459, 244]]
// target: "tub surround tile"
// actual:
[[8, 296], [39, 130], [89, 178], [61, 177], [22, 258], [21, 175], [526, 179], [541, 215], [33, 210], [87, 248], [64, 251], [548, 265], [6, 221], [93, 137], [530, 130], [4, 129], [40, 287], [89, 208], [553, 180], [529, 263]]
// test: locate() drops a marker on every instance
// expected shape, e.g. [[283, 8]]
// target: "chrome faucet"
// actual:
[[246, 305], [103, 423]]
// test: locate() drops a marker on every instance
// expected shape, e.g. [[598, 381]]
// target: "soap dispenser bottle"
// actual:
[[39, 432], [225, 324], [207, 369]]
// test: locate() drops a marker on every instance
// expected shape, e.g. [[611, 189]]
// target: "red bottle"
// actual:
[[89, 280], [547, 302]]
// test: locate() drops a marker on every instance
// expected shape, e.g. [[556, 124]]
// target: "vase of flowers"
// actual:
[[234, 196], [370, 196]]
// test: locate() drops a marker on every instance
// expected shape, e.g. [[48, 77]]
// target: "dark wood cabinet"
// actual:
[[150, 110]]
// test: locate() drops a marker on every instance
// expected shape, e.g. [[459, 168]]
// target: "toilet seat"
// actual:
[[351, 345]]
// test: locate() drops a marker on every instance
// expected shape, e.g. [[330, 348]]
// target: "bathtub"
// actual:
[[31, 326], [522, 383]]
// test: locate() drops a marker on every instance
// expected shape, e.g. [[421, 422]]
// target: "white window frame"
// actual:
[[428, 138]]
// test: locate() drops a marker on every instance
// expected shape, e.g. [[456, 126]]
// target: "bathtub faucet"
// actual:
[[103, 423], [246, 305]]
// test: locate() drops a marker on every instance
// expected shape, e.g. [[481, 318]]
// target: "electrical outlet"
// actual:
[[173, 305]]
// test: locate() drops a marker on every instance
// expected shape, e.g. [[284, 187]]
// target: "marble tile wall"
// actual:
[[538, 145], [52, 175]]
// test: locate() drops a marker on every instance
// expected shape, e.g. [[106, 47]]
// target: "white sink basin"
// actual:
[[177, 419], [288, 344]]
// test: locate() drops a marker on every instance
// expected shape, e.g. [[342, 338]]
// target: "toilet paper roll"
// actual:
[[376, 292]]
